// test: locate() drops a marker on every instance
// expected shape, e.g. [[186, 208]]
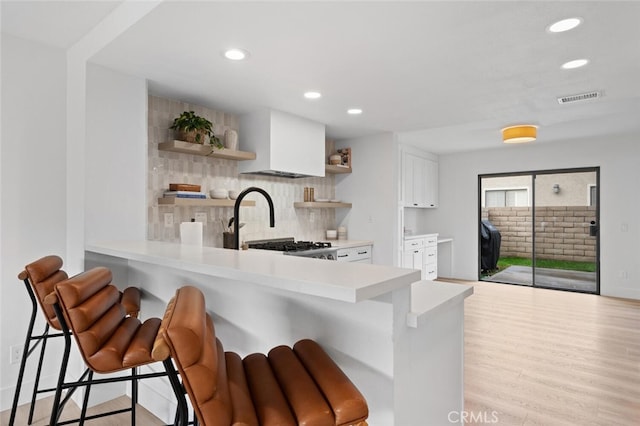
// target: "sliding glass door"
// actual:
[[541, 229], [506, 228], [565, 243]]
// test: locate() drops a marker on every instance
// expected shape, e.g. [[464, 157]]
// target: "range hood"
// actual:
[[286, 145]]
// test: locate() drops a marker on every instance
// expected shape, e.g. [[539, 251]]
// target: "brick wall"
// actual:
[[562, 233]]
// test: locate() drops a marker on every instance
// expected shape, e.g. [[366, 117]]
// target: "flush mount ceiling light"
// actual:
[[236, 54], [519, 134], [312, 95], [576, 63], [564, 25], [354, 111]]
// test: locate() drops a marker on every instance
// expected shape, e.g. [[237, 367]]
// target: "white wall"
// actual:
[[34, 172], [372, 188], [33, 152], [116, 156], [618, 158]]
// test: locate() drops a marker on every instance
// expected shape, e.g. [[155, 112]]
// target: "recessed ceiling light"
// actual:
[[236, 54], [312, 95], [564, 25], [354, 111], [576, 63]]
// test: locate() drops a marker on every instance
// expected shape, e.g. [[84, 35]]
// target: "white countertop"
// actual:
[[345, 281], [440, 239], [414, 236], [428, 298], [350, 243]]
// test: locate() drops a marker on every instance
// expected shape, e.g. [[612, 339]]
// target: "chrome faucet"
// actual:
[[236, 211]]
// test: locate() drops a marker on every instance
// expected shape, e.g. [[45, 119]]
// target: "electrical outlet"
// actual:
[[16, 353], [201, 217], [168, 219]]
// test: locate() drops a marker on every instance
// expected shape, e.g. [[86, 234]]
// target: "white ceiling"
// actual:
[[57, 23], [446, 76]]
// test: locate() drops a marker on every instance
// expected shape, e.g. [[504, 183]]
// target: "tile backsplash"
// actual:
[[170, 167]]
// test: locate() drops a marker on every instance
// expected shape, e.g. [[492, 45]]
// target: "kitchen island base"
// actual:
[[409, 375]]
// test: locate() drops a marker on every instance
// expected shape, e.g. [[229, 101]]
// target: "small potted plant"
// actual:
[[195, 129]]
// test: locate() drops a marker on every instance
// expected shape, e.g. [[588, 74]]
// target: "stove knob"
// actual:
[[330, 257]]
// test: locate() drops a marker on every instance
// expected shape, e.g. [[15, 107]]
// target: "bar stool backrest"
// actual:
[[187, 332], [43, 275], [91, 308]]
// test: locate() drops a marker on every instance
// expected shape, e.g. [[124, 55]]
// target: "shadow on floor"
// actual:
[[545, 277]]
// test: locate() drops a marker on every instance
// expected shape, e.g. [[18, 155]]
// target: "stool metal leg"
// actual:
[[182, 414], [134, 394], [25, 355], [55, 409], [85, 400], [38, 372]]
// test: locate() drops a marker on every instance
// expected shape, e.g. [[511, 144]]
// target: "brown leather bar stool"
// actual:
[[302, 386], [39, 278], [88, 306]]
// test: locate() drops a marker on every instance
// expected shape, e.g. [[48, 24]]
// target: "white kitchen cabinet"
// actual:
[[413, 259], [413, 255], [430, 261], [419, 181], [430, 183], [422, 253], [355, 254]]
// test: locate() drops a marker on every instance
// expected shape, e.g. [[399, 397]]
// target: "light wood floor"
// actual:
[[532, 357], [546, 357], [71, 411]]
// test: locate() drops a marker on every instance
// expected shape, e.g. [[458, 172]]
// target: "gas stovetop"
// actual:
[[288, 245]]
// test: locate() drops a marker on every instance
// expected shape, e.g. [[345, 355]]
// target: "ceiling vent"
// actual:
[[578, 98]]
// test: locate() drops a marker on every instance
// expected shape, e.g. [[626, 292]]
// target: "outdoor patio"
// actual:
[[545, 277]]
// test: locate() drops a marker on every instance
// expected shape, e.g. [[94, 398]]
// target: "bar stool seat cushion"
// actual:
[[304, 397], [242, 405], [300, 386], [346, 401]]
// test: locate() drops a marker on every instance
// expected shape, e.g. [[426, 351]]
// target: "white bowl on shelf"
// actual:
[[334, 201], [219, 193], [233, 194], [321, 200]]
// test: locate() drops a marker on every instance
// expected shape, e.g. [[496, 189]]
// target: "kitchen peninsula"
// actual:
[[404, 352]]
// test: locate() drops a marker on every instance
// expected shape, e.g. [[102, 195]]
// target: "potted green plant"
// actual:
[[193, 128]]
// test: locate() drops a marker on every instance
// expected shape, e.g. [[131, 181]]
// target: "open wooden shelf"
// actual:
[[330, 168], [202, 202], [316, 205], [205, 150]]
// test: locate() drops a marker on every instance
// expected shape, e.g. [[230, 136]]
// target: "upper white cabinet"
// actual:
[[431, 183], [419, 180]]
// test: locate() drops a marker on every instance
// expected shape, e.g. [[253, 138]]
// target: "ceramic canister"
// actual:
[[231, 139]]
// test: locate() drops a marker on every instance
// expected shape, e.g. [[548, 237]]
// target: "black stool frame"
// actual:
[[87, 380]]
